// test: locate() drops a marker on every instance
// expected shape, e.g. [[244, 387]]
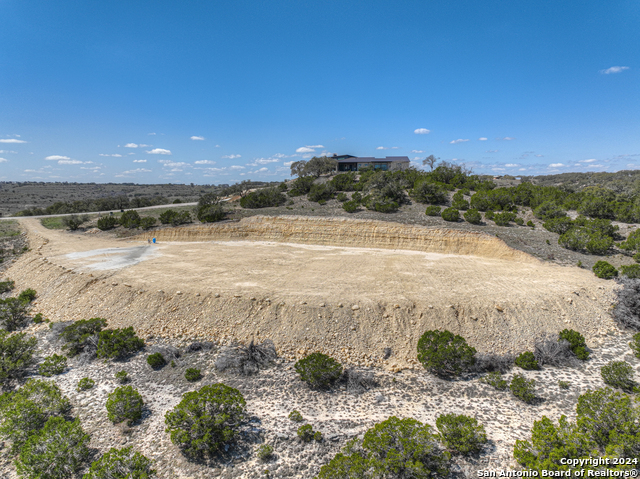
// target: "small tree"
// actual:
[[82, 334], [13, 314], [430, 161], [429, 192], [473, 216], [121, 464], [523, 388], [27, 296], [451, 214], [26, 410], [16, 354], [318, 370], [124, 403], [618, 374], [576, 342], [156, 360], [130, 219], [74, 222], [527, 361], [433, 210], [107, 222], [205, 420], [118, 343], [461, 434], [53, 365], [59, 450], [147, 222], [445, 354], [604, 270]]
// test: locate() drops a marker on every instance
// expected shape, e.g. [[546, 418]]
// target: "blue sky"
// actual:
[[221, 91]]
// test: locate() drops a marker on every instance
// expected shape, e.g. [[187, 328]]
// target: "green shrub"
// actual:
[[523, 388], [58, 451], [503, 219], [450, 214], [118, 343], [85, 383], [265, 452], [6, 286], [636, 257], [550, 444], [16, 355], [176, 218], [343, 181], [80, 334], [635, 345], [209, 209], [26, 410], [27, 295], [156, 360], [263, 198], [295, 416], [461, 434], [495, 379], [301, 186], [631, 271], [13, 314], [473, 216], [604, 270], [317, 436], [350, 206], [433, 210], [205, 420], [564, 384], [124, 403], [489, 214], [130, 219], [558, 225], [431, 193], [192, 375], [342, 197], [107, 222], [38, 319], [393, 448], [527, 361], [530, 224], [576, 342], [305, 433], [383, 206], [172, 363], [74, 222], [357, 197], [319, 192], [607, 416], [121, 464], [460, 204], [122, 377], [549, 210], [52, 365], [318, 370], [148, 222], [519, 221], [618, 374], [445, 354]]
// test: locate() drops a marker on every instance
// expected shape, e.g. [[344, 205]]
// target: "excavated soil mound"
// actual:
[[348, 288]]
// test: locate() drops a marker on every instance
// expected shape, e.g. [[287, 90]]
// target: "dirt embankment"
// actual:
[[291, 287]]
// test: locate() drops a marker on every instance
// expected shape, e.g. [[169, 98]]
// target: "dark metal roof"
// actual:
[[371, 159]]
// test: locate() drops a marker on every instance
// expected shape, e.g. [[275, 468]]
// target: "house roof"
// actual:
[[371, 159]]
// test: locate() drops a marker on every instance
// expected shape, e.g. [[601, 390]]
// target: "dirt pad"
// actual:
[[307, 285]]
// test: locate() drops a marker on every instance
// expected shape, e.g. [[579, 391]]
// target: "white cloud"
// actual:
[[133, 172], [173, 164], [236, 167], [595, 166], [511, 165], [231, 157], [115, 155], [265, 161], [70, 162], [305, 149], [539, 156], [8, 151], [421, 131], [482, 139], [417, 151], [205, 162], [197, 137], [382, 148], [555, 165], [287, 163], [11, 140], [3, 160], [508, 138], [152, 134], [159, 151], [131, 145], [217, 146], [139, 161], [57, 158], [522, 169], [314, 146], [588, 161], [491, 151], [279, 155], [459, 140], [613, 70]]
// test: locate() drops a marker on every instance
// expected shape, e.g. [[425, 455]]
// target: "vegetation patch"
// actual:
[[124, 404], [122, 463], [52, 365], [118, 343], [444, 354], [461, 434], [318, 370]]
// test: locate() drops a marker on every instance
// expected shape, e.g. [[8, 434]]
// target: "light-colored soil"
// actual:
[[309, 284]]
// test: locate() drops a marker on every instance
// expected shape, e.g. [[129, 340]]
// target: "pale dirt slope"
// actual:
[[302, 283]]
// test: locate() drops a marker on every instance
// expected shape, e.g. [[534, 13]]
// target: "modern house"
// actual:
[[356, 163]]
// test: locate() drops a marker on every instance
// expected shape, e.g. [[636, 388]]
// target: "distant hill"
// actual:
[[625, 181]]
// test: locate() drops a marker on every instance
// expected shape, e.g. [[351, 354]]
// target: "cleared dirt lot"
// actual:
[[225, 282]]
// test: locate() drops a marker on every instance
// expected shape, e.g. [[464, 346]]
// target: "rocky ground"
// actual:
[[338, 414]]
